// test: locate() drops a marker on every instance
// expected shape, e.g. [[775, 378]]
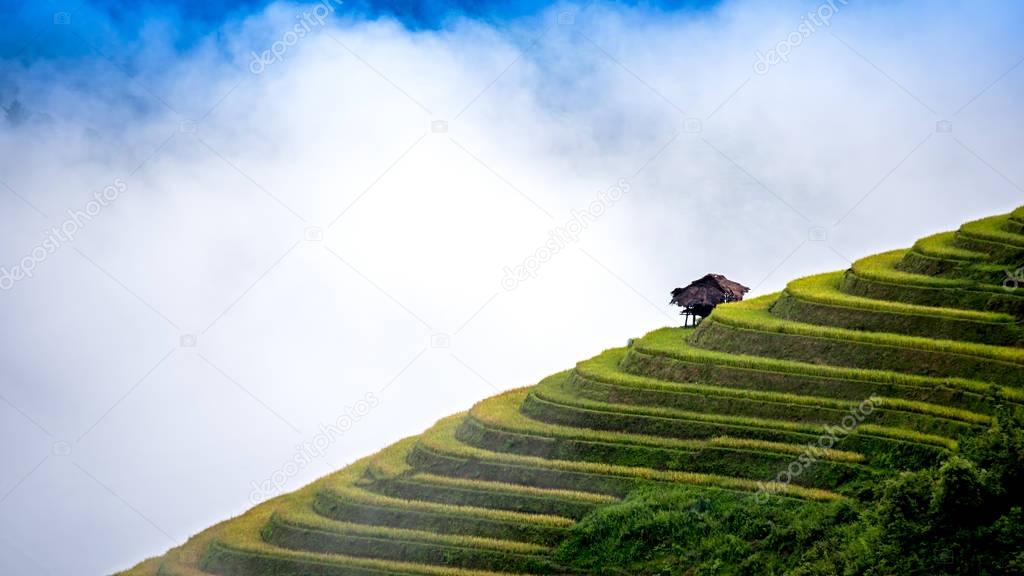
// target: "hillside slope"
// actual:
[[810, 395]]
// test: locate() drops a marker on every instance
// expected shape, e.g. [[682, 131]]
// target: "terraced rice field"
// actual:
[[929, 339]]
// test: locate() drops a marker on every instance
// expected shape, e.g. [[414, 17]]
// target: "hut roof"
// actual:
[[710, 290]]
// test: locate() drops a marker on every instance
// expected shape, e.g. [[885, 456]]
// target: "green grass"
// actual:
[[882, 415], [605, 369], [441, 439], [394, 465], [239, 553], [981, 273], [302, 515], [586, 497], [999, 237], [735, 462], [879, 277], [742, 425], [942, 246], [824, 289], [883, 268], [819, 300], [502, 412], [673, 343], [993, 230], [343, 492], [498, 495], [497, 424], [236, 546], [879, 451], [755, 314], [751, 325], [1015, 224], [300, 529], [612, 394]]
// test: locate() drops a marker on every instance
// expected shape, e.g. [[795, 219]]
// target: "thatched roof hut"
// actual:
[[702, 295]]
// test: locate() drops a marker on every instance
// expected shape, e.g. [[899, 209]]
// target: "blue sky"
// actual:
[[109, 21]]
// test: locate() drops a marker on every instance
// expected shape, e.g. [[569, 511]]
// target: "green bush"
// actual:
[[684, 531], [963, 517], [959, 516]]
